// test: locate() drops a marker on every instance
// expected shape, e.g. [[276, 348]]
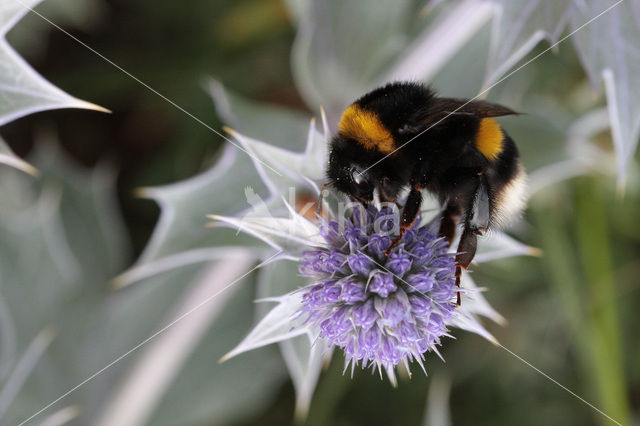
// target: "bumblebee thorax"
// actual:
[[365, 128]]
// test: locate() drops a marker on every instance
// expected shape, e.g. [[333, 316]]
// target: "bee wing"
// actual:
[[480, 109], [441, 109]]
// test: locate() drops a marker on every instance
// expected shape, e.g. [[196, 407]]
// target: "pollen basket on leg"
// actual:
[[489, 138], [366, 128]]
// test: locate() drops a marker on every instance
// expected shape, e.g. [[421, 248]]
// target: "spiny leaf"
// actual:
[[278, 325], [440, 42], [271, 123], [9, 158], [518, 26], [303, 355], [24, 367], [180, 237], [227, 188], [605, 34], [22, 90], [30, 37], [280, 233], [61, 242], [498, 245], [196, 313], [475, 302], [304, 359], [334, 63], [301, 168], [608, 49]]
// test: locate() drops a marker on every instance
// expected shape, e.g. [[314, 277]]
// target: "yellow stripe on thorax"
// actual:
[[489, 138], [365, 127]]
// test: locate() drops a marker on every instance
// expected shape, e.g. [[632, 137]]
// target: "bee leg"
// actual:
[[450, 218], [409, 214], [480, 212], [477, 221], [466, 252]]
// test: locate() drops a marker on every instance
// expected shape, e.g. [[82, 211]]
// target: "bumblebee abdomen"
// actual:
[[489, 139], [508, 182]]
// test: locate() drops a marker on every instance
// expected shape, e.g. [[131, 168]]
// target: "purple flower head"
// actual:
[[381, 310]]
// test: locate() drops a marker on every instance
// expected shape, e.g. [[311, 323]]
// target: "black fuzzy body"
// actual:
[[434, 146]]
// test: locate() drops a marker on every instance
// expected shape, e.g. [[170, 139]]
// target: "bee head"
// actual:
[[351, 179], [350, 171], [387, 183], [346, 171]]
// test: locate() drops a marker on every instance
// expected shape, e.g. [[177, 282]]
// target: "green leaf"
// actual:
[[608, 50], [203, 320], [518, 26], [61, 242], [31, 39], [438, 411], [278, 325], [498, 245], [9, 158], [605, 34], [228, 189], [304, 358], [602, 320], [303, 355], [342, 47], [22, 90], [180, 237], [274, 124], [441, 42]]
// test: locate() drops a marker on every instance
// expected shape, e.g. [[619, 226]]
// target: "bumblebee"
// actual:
[[404, 136]]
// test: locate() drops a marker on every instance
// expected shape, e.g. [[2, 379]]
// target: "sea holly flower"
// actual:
[[364, 302], [399, 306]]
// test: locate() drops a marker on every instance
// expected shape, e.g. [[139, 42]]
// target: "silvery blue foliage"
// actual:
[[22, 90], [329, 75], [605, 34]]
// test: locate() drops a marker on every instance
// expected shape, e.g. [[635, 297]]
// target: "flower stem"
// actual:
[[582, 277], [332, 387], [593, 238]]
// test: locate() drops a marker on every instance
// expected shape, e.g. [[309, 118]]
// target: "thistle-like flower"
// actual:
[[381, 310]]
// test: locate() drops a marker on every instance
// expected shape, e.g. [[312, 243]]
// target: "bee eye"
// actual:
[[357, 177]]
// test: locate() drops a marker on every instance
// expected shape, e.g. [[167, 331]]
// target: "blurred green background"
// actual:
[[172, 47], [573, 313]]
